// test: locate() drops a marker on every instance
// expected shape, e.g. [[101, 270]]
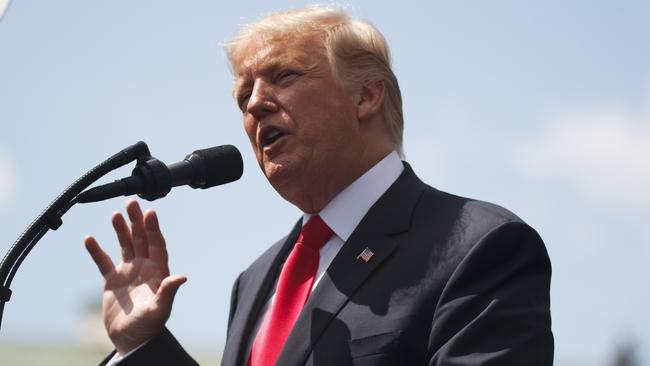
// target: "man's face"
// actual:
[[301, 123]]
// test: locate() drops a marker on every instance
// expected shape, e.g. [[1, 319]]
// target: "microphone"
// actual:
[[152, 179]]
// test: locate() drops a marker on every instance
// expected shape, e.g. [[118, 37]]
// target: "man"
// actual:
[[382, 269]]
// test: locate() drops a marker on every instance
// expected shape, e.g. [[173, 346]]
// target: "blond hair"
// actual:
[[357, 52]]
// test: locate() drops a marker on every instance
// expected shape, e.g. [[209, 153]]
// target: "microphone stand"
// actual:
[[50, 218]]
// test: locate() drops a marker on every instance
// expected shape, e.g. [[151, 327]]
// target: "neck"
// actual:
[[312, 201]]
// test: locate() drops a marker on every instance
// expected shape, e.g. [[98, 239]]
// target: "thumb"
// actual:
[[168, 288]]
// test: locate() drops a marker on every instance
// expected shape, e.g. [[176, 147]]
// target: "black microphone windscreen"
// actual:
[[217, 165]]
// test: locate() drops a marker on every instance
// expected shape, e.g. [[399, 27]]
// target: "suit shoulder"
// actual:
[[441, 204], [459, 223], [470, 209]]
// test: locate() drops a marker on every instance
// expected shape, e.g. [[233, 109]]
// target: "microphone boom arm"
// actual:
[[50, 218], [151, 179]]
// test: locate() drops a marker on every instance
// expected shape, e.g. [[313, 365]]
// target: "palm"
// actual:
[[138, 293], [129, 295]]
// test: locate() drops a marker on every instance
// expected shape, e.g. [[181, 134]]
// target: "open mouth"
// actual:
[[270, 136]]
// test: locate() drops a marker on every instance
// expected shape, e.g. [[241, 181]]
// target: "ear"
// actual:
[[370, 99]]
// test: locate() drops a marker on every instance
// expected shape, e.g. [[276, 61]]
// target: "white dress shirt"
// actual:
[[342, 214]]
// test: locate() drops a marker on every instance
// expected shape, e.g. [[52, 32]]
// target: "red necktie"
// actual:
[[294, 287]]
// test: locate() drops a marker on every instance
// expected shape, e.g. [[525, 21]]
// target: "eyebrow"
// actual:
[[269, 68]]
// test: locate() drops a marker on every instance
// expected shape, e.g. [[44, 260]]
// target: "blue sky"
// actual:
[[542, 107]]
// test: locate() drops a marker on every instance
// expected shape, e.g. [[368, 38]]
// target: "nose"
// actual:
[[262, 101]]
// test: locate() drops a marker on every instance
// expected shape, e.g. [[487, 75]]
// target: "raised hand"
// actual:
[[139, 292]]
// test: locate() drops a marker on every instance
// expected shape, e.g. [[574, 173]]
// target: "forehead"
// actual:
[[265, 54]]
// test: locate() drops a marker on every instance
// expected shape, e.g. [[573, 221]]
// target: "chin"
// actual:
[[275, 172], [282, 178]]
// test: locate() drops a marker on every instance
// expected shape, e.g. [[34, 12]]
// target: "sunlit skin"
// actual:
[[329, 134]]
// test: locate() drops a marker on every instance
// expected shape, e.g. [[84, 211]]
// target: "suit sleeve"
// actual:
[[162, 350], [495, 308]]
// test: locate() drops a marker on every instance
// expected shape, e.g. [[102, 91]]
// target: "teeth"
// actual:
[[272, 136]]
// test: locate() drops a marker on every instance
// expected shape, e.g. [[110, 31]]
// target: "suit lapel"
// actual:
[[259, 281], [390, 215]]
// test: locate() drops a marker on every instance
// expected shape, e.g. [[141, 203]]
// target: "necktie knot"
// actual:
[[315, 233]]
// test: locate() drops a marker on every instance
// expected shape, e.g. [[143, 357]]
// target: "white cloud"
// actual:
[[3, 7], [7, 180], [605, 153]]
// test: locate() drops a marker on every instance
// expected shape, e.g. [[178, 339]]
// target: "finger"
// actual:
[[123, 236], [168, 288], [138, 232], [102, 260], [155, 238]]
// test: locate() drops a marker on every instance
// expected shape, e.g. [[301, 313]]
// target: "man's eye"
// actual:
[[243, 102], [286, 76]]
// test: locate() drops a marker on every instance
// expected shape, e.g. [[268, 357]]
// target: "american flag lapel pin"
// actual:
[[366, 255]]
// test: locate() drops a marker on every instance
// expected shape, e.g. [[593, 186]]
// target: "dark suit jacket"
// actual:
[[453, 281]]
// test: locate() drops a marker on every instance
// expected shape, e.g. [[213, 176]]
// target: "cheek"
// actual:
[[250, 128]]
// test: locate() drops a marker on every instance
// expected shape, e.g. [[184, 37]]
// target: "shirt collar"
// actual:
[[345, 211]]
